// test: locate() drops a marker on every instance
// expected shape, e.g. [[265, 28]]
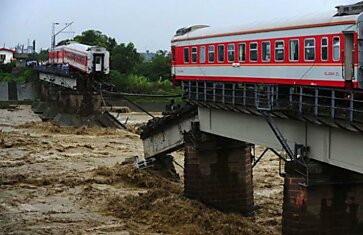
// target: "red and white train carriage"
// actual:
[[324, 50], [84, 58]]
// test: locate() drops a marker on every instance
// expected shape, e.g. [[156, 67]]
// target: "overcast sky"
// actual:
[[149, 24]]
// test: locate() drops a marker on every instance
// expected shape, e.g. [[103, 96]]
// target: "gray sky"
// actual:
[[149, 24]]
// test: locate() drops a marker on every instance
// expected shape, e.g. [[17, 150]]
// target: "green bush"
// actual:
[[129, 83], [140, 84], [24, 75], [117, 79], [7, 68], [165, 87]]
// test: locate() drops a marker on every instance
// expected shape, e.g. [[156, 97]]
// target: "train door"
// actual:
[[348, 64], [173, 61], [360, 55], [98, 62]]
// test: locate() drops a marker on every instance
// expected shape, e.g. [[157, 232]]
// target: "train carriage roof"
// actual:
[[79, 47], [307, 21]]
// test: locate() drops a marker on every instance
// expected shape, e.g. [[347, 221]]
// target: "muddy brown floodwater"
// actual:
[[56, 180]]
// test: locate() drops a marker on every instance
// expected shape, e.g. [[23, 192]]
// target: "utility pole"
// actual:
[[54, 34], [52, 44]]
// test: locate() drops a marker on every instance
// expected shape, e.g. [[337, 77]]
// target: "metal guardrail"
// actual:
[[325, 102], [330, 106], [241, 94], [53, 70]]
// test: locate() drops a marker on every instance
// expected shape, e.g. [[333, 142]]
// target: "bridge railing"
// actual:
[[263, 97], [53, 70], [336, 104], [331, 106]]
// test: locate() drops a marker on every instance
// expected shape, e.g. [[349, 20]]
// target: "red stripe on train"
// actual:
[[78, 68]]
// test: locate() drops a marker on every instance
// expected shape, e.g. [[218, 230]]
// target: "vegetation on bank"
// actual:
[[133, 83], [130, 71], [7, 68], [7, 73]]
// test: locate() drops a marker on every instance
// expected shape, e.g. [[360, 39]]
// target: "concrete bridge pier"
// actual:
[[218, 172], [81, 104], [71, 102], [332, 203]]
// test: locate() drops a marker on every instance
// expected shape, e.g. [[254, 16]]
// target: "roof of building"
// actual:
[[6, 49]]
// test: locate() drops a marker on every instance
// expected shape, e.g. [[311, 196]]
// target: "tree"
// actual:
[[111, 44], [43, 55], [158, 68], [125, 58], [93, 38], [64, 42], [33, 56]]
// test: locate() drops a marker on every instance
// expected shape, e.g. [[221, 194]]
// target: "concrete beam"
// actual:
[[168, 139], [58, 80], [334, 146]]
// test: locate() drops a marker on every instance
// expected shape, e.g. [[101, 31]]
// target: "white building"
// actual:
[[6, 55]]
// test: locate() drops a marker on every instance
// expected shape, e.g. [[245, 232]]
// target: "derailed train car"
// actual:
[[91, 60]]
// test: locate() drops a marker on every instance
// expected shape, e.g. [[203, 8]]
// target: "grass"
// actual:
[[10, 104], [141, 85], [5, 105], [24, 75]]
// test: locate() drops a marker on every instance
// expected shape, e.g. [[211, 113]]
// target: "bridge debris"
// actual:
[[164, 135]]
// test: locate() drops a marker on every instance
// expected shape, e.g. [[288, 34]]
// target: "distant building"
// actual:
[[21, 49], [6, 55], [20, 59], [148, 56]]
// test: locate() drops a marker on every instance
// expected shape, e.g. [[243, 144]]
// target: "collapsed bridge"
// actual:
[[217, 130], [295, 86]]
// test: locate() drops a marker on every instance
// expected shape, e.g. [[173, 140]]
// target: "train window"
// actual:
[[310, 49], [336, 48], [253, 51], [266, 51], [194, 55], [279, 51], [230, 52], [242, 52], [202, 54], [294, 50], [220, 53], [186, 55], [211, 53], [324, 49]]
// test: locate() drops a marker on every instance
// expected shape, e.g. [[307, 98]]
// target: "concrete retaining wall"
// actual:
[[3, 91], [24, 91]]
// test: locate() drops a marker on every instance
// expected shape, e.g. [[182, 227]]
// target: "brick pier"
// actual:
[[331, 204], [218, 172]]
